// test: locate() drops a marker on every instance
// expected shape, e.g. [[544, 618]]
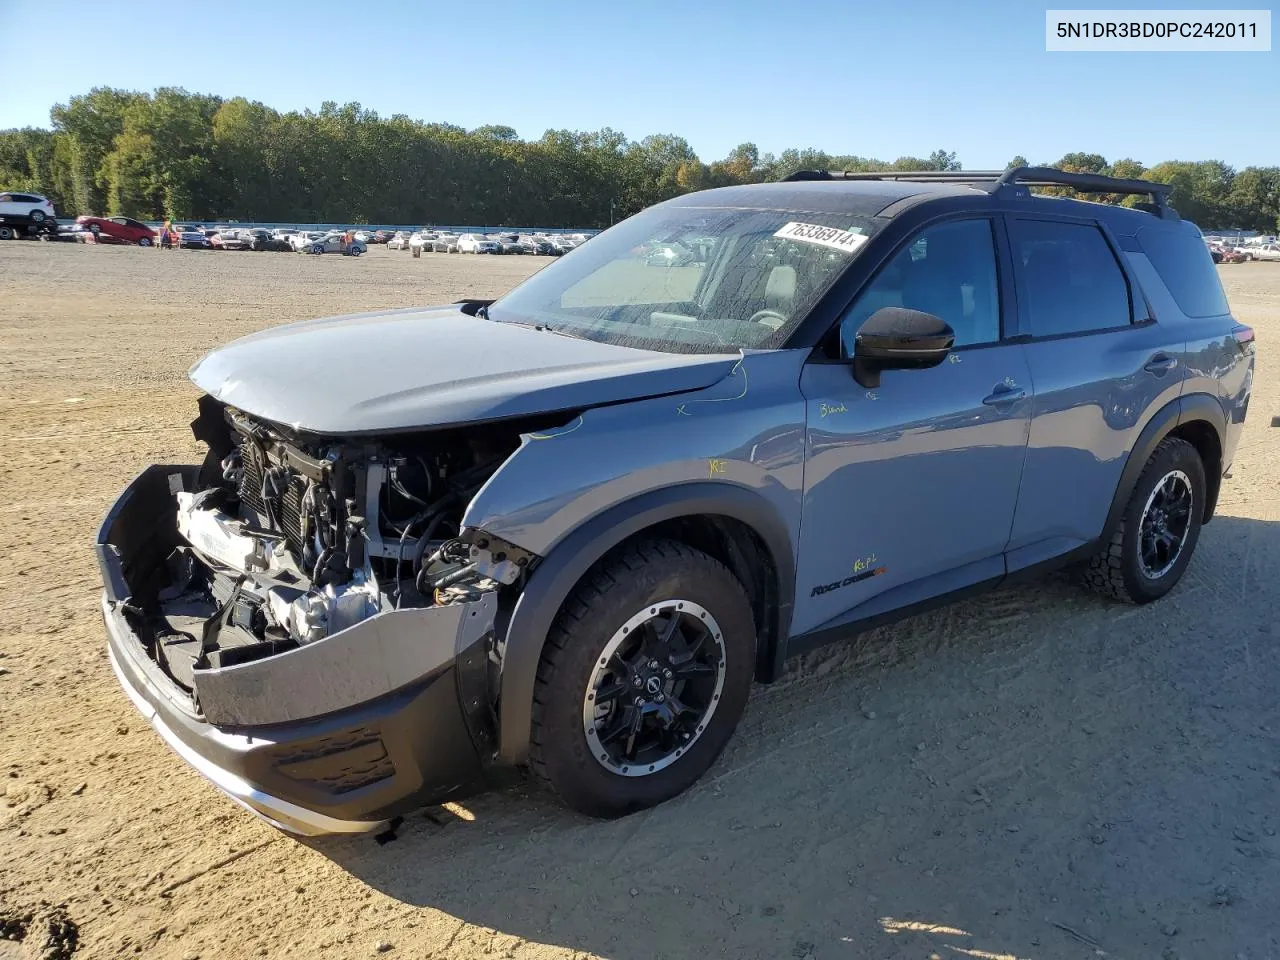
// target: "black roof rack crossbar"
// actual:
[[1084, 182], [957, 176], [1017, 176]]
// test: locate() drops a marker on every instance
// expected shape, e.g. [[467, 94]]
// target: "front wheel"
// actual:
[[6, 233], [317, 249], [144, 242], [1150, 550], [356, 251], [643, 679]]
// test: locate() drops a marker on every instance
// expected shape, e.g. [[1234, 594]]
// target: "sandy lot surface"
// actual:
[[1036, 774]]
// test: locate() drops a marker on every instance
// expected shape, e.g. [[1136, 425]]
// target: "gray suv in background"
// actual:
[[566, 529]]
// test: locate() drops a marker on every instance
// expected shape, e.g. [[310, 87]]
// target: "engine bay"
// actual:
[[290, 538]]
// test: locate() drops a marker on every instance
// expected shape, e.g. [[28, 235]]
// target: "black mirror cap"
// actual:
[[896, 338], [898, 334]]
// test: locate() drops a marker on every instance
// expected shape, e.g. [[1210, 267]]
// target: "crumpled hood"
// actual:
[[430, 367]]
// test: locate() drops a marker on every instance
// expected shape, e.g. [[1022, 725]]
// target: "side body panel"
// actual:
[[745, 431], [1092, 399]]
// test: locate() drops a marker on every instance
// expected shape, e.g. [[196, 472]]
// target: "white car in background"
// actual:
[[419, 242], [1265, 251], [335, 242], [471, 243], [302, 240], [25, 208], [400, 241]]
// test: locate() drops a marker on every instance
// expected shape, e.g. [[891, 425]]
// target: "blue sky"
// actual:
[[875, 79]]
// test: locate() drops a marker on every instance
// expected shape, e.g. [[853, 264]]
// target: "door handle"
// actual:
[[1160, 364], [1004, 393]]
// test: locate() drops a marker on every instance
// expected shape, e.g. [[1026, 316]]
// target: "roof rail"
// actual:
[[1013, 178]]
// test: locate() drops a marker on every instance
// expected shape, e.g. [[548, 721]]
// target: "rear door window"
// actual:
[[1069, 278]]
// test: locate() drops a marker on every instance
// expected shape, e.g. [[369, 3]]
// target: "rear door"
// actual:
[[1100, 364]]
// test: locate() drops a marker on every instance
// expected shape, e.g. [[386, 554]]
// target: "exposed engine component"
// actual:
[[297, 537], [319, 612]]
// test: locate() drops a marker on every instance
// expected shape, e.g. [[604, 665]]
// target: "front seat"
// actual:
[[779, 295]]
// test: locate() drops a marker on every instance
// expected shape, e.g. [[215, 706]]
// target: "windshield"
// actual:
[[692, 279]]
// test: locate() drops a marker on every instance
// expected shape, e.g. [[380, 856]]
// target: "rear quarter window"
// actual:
[[1183, 263]]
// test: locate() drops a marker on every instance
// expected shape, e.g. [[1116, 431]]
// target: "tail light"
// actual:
[[1244, 336]]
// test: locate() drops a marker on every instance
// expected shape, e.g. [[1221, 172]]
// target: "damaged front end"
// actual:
[[305, 621]]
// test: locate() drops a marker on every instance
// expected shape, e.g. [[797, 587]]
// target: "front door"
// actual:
[[910, 488]]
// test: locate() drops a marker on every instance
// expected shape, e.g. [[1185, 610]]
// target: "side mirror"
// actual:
[[895, 338]]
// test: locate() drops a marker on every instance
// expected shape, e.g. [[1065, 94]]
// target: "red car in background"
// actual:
[[118, 230]]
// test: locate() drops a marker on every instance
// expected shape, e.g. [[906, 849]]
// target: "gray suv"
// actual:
[[565, 530]]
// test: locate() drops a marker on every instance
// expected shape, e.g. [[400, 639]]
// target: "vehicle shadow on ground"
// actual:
[[1035, 773]]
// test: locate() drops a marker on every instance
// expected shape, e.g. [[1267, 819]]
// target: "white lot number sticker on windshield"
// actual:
[[832, 237]]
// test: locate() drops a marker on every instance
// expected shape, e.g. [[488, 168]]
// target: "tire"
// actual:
[[356, 251], [627, 587], [317, 249], [6, 233], [1119, 570], [37, 216], [144, 242]]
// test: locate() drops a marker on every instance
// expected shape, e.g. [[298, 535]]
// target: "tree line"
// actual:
[[197, 156]]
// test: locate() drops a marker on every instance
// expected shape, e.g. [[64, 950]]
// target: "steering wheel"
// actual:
[[770, 318]]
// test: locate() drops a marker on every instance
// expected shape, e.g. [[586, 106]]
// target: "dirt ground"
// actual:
[[1035, 774]]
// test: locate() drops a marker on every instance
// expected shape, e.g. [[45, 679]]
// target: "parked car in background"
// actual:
[[191, 238], [399, 240], [562, 244], [118, 229], [538, 246], [260, 239], [22, 213], [301, 240], [510, 243], [445, 243], [1266, 251], [383, 236], [417, 243], [335, 242], [231, 240], [474, 243]]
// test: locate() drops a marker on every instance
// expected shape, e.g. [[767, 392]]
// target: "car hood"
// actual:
[[430, 367]]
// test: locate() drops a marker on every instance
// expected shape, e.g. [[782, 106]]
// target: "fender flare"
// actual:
[[572, 556], [1194, 406]]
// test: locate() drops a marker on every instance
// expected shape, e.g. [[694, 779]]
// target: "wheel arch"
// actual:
[[728, 522], [1197, 418]]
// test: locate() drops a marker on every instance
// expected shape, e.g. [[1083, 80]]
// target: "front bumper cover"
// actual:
[[336, 736]]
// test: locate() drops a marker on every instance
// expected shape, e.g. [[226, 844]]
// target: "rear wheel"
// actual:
[[643, 679], [37, 216], [1157, 536], [6, 233]]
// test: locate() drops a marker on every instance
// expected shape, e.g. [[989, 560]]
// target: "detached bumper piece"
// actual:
[[335, 736]]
